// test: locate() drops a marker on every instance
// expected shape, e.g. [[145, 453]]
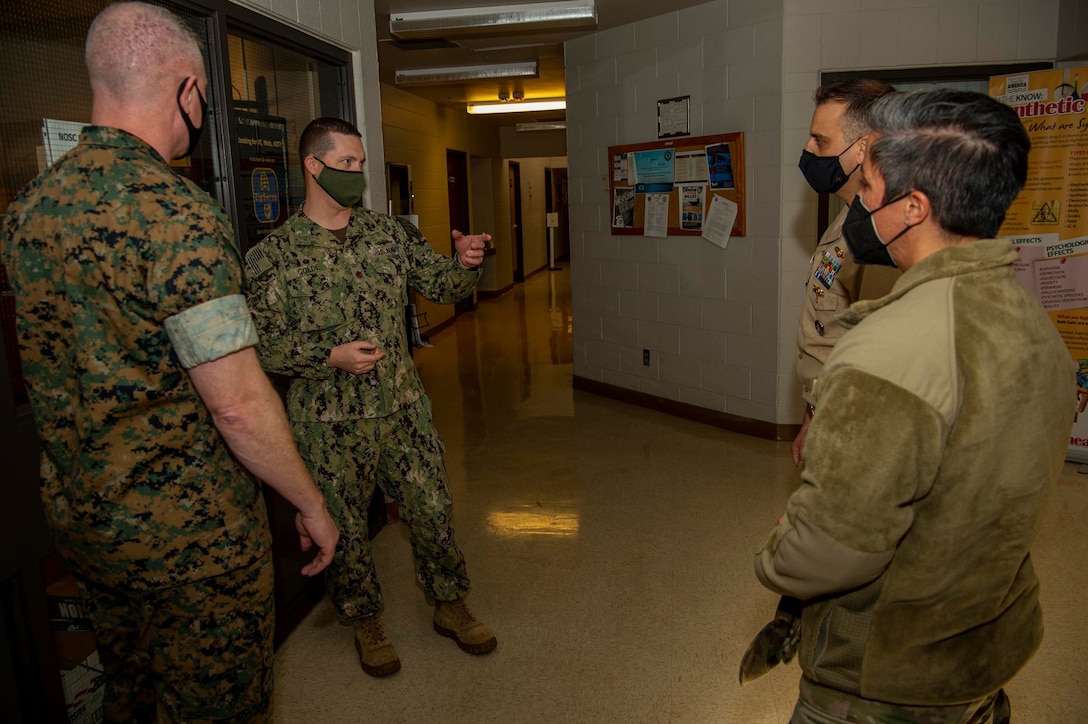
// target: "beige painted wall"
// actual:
[[534, 195], [418, 132]]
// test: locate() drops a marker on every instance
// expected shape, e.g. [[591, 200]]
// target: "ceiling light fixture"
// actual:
[[542, 126], [465, 73], [506, 18], [544, 104]]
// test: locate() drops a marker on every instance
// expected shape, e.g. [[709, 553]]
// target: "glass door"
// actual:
[[275, 91]]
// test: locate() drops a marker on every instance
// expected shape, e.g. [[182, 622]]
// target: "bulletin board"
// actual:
[[676, 167]]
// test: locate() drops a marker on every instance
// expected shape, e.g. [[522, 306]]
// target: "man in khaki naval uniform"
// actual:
[[829, 163], [328, 290]]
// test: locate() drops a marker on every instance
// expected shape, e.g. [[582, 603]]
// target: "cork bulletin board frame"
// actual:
[[676, 167]]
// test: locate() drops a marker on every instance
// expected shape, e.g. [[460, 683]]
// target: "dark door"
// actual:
[[30, 689], [559, 198], [515, 222], [457, 186]]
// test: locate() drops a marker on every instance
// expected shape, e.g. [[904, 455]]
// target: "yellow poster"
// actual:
[[1048, 221], [1052, 106]]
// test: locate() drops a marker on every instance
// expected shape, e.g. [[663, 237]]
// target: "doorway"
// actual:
[[515, 222], [398, 189], [457, 188], [555, 184]]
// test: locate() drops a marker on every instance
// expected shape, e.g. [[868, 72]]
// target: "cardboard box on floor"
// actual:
[[81, 672]]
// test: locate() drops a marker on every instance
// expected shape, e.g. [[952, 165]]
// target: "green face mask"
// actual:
[[345, 187]]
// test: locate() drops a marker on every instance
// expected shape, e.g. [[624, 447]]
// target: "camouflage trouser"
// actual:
[[821, 705], [194, 652], [402, 454]]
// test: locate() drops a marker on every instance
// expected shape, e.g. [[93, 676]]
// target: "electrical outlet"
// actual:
[[646, 358]]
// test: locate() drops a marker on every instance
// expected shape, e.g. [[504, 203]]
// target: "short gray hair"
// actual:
[[133, 46], [966, 151]]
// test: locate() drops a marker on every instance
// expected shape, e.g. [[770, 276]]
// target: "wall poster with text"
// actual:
[[263, 197], [1048, 220]]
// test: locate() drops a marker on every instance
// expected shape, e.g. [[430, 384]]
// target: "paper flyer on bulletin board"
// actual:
[[674, 182], [1048, 221]]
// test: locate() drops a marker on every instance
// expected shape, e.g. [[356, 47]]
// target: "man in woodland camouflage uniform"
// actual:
[[138, 353], [328, 291]]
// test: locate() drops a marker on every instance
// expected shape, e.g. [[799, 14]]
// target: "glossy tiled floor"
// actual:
[[611, 552]]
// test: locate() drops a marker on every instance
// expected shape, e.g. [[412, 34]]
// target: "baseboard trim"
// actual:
[[434, 329], [734, 423]]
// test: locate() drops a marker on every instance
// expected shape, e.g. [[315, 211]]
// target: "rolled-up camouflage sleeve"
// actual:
[[282, 347], [439, 278], [211, 330]]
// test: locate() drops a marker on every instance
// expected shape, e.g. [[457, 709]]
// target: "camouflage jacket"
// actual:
[[310, 293], [103, 249]]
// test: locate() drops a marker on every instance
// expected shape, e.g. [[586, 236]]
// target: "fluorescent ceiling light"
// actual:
[[467, 21], [542, 126], [518, 106], [424, 76], [489, 48]]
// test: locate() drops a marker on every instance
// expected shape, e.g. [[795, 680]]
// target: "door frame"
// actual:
[[518, 257]]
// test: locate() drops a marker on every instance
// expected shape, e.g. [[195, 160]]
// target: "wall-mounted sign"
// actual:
[[265, 187], [673, 117], [1048, 221], [58, 137], [262, 173]]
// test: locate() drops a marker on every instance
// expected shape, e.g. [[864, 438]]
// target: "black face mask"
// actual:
[[859, 230], [194, 132], [824, 173]]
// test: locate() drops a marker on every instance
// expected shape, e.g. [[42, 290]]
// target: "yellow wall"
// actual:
[[534, 199], [418, 133]]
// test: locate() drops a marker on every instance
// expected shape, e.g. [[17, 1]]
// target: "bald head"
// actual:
[[136, 52]]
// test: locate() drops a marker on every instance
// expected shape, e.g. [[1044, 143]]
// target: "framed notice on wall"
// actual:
[[667, 187], [673, 117]]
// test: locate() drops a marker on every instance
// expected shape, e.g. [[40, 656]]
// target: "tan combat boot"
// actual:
[[454, 620], [376, 653]]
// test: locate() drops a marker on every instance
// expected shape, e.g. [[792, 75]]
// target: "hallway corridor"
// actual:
[[610, 549]]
